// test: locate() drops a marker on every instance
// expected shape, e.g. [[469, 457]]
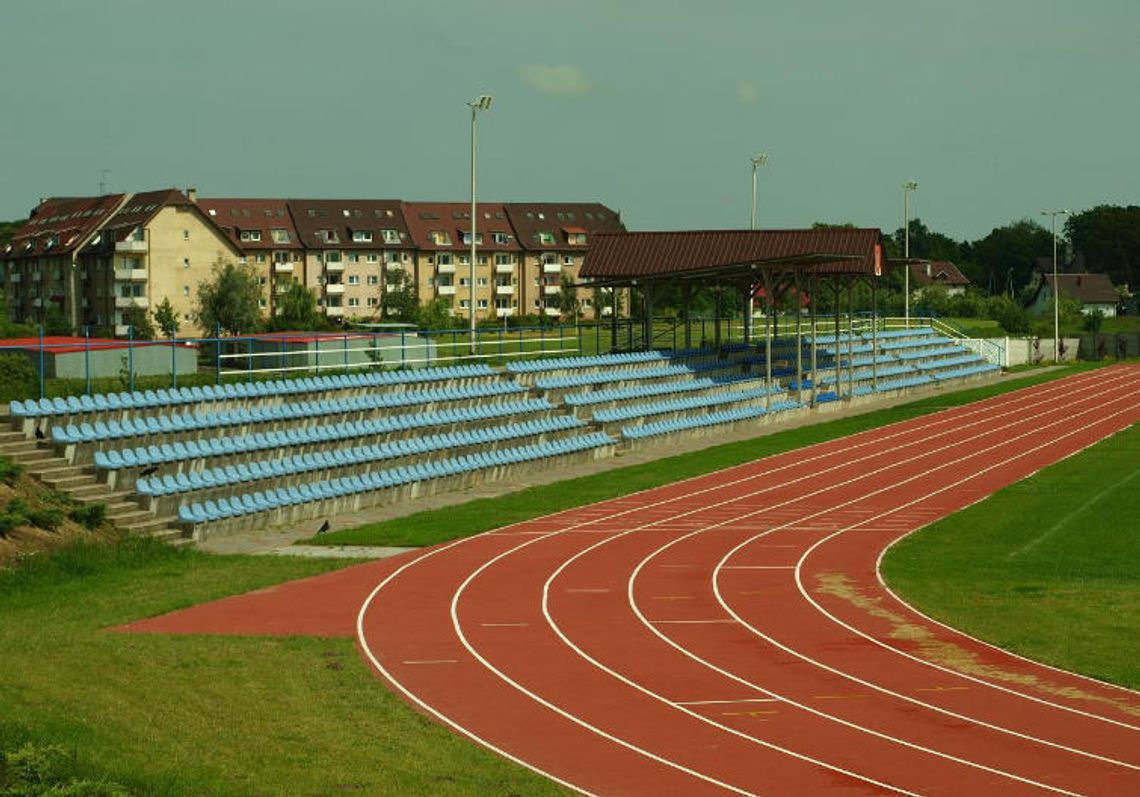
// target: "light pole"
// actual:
[[480, 103], [758, 160], [907, 187], [1053, 214]]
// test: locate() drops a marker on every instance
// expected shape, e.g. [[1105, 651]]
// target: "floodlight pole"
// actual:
[[1053, 214], [757, 161], [907, 187], [480, 103]]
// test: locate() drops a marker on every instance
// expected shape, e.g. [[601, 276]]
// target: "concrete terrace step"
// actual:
[[148, 526], [97, 493], [18, 446], [128, 517]]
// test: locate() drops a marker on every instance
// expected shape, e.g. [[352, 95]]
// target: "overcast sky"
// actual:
[[998, 108]]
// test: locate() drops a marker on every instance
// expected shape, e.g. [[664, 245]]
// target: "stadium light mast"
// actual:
[[758, 160], [480, 103], [907, 187], [1053, 214]]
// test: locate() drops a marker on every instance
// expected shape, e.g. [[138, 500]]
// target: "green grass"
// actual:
[[430, 527], [180, 715], [1048, 567]]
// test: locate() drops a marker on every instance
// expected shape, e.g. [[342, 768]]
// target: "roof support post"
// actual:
[[766, 274], [838, 349], [716, 317], [647, 322], [851, 336], [874, 334], [613, 317], [814, 288], [687, 293], [796, 276]]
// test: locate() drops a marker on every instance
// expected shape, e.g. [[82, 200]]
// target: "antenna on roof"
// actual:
[[103, 181]]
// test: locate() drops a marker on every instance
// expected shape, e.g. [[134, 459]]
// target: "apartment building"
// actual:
[[92, 258], [554, 238], [128, 250], [352, 247], [441, 235]]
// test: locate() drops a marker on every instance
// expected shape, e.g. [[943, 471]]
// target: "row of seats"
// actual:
[[185, 451], [950, 362], [613, 375], [101, 402], [959, 373], [671, 425], [595, 361], [644, 391], [252, 503], [303, 410], [292, 465], [628, 411]]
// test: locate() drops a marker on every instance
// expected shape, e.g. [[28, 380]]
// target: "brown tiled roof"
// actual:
[[659, 254], [937, 272], [560, 219], [264, 216], [59, 225], [1085, 288], [346, 216], [139, 209], [454, 219]]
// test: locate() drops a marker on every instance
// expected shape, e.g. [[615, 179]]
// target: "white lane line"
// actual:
[[694, 622], [431, 661], [759, 567], [730, 701], [825, 451]]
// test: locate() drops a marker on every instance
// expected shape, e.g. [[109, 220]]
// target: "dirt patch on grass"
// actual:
[[929, 646]]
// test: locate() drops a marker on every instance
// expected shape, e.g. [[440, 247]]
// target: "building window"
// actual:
[[362, 236], [371, 258], [332, 257], [260, 258], [185, 235], [185, 262], [482, 304], [353, 279], [391, 236], [502, 260], [464, 304], [373, 279], [444, 259], [185, 290], [500, 237], [280, 236], [353, 301], [261, 280], [482, 282], [567, 260], [251, 235], [373, 301], [353, 258], [439, 238], [261, 303], [544, 237], [467, 238], [463, 283]]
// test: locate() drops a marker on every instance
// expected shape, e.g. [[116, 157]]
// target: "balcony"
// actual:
[[122, 330], [552, 311], [282, 268], [335, 312], [551, 290], [551, 268], [334, 288], [334, 267], [282, 287], [504, 268], [122, 302], [504, 290], [132, 246], [504, 312], [445, 268], [445, 290], [130, 275]]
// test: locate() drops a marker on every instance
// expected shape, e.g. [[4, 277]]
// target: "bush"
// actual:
[[92, 516], [10, 471], [19, 378], [49, 771], [17, 506], [46, 518]]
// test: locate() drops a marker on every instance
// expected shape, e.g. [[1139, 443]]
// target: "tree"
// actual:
[[400, 302], [139, 320], [568, 298], [297, 309], [166, 318], [1109, 238], [229, 301], [1007, 255], [8, 229], [56, 323], [436, 314]]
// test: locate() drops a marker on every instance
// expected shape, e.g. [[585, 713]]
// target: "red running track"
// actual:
[[730, 634]]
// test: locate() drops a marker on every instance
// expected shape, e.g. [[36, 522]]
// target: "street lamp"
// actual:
[[907, 187], [1053, 214], [758, 160], [480, 103]]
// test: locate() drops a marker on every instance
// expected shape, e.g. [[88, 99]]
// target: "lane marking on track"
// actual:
[[759, 567], [847, 444], [694, 622], [728, 701], [431, 661]]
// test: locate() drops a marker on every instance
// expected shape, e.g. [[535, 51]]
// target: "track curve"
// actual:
[[730, 635]]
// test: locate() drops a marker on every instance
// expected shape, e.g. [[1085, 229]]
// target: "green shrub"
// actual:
[[91, 515], [9, 471], [19, 378], [49, 771], [9, 522], [46, 518], [17, 506]]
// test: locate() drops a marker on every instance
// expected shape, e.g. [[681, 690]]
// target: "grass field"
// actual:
[[1048, 567], [179, 715]]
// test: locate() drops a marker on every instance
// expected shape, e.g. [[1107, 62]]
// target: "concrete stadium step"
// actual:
[[96, 493], [148, 525], [128, 517], [39, 464], [21, 444], [11, 437]]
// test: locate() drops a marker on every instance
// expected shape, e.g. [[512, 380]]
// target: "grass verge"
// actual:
[[178, 715], [1048, 567], [440, 525]]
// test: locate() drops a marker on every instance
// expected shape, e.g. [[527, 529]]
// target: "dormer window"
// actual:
[[467, 238], [250, 235], [328, 236], [439, 238], [279, 236], [500, 238], [362, 236], [390, 236], [544, 237]]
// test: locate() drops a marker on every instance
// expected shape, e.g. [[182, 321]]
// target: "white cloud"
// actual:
[[747, 93], [562, 79]]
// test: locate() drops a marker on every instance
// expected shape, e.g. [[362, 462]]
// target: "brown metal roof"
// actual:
[[646, 255], [559, 220]]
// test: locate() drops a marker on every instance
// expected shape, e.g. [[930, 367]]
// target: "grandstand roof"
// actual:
[[691, 254]]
